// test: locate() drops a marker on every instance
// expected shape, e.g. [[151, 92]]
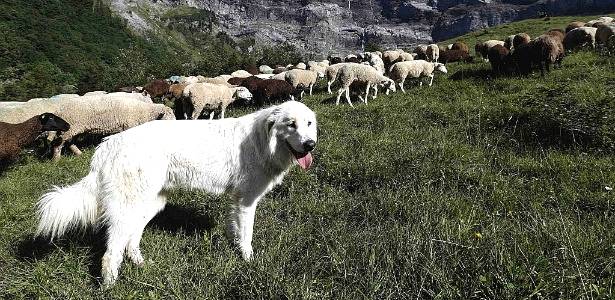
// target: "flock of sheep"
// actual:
[[195, 96]]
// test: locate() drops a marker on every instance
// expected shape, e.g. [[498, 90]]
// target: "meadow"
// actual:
[[478, 187]]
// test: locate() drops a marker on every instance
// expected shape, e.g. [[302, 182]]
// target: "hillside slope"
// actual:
[[478, 187]]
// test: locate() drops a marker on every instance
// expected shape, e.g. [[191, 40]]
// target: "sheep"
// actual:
[[455, 55], [401, 70], [483, 48], [375, 61], [547, 50], [264, 76], [390, 57], [432, 52], [157, 88], [333, 59], [318, 68], [599, 21], [498, 56], [131, 89], [508, 43], [351, 58], [269, 90], [64, 96], [198, 96], [300, 66], [580, 37], [280, 76], [13, 137], [252, 69], [557, 33], [265, 69], [521, 38], [405, 56], [279, 70], [573, 25], [241, 73], [442, 49], [301, 79], [95, 93], [357, 72], [217, 80], [331, 74], [604, 33], [235, 80], [459, 45], [421, 51], [176, 92], [522, 59], [606, 19], [251, 83]]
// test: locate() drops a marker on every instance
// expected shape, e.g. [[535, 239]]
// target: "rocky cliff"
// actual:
[[321, 27]]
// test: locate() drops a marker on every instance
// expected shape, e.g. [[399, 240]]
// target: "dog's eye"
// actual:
[[292, 125]]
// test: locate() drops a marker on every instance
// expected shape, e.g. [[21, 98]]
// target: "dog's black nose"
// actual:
[[309, 145]]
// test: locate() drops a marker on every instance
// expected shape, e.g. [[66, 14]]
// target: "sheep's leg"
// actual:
[[376, 91], [329, 83], [196, 112], [222, 113], [311, 86], [211, 115], [401, 85], [348, 96], [420, 82], [302, 91], [366, 93], [431, 81], [57, 151], [75, 149], [339, 95]]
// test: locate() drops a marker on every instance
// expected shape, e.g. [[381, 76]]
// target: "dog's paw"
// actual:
[[247, 253]]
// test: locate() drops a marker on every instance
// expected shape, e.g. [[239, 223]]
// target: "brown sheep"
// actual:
[[580, 37], [459, 45], [13, 137], [498, 56], [157, 88], [176, 95], [604, 33], [520, 39], [547, 50], [236, 80], [455, 55], [557, 33], [270, 90], [573, 25], [251, 83], [522, 59]]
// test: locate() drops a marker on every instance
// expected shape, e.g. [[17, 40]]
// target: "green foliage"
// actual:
[[372, 47]]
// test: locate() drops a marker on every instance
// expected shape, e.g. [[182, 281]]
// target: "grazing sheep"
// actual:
[[265, 69], [300, 66], [599, 21], [442, 49], [241, 73], [573, 25], [280, 76], [176, 94], [390, 57], [216, 80], [251, 83], [157, 88], [522, 59], [459, 45], [483, 48], [497, 56], [432, 52], [580, 37], [455, 55], [375, 61], [94, 93], [415, 69], [235, 80], [331, 74], [334, 59], [271, 90], [264, 76], [421, 51], [318, 68], [13, 137], [351, 58], [604, 33], [301, 79], [557, 33], [365, 74], [520, 39], [508, 43], [199, 96], [405, 56], [547, 50]]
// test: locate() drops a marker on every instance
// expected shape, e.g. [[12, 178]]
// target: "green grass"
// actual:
[[482, 188]]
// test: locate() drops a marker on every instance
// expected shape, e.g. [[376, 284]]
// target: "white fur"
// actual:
[[131, 172]]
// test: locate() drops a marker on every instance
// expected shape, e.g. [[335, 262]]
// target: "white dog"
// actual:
[[132, 170]]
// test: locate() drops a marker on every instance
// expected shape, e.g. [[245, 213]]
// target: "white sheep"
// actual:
[[331, 74], [350, 73], [90, 114], [95, 93], [279, 76], [416, 68], [265, 69], [375, 61], [241, 73], [432, 52], [199, 96], [264, 76], [190, 79], [300, 66], [301, 79]]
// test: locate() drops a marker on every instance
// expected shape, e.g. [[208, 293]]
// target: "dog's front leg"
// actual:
[[242, 225]]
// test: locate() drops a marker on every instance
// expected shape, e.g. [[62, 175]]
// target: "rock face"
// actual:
[[318, 28]]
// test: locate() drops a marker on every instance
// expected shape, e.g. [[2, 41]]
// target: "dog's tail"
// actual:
[[64, 208]]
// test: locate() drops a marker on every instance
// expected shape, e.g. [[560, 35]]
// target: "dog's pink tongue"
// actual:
[[306, 161]]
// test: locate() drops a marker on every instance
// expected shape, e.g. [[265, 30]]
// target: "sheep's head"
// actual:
[[389, 85], [51, 122], [242, 93], [441, 67]]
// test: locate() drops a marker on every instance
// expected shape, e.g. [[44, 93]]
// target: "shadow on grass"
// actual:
[[172, 219], [471, 74]]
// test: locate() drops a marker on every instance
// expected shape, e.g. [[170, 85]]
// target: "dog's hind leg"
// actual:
[[145, 214], [118, 235]]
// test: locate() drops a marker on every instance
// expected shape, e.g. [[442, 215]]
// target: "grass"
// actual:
[[478, 187]]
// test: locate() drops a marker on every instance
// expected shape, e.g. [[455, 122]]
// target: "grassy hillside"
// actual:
[[475, 188]]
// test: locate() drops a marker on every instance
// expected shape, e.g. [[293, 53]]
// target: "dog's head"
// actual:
[[292, 127]]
